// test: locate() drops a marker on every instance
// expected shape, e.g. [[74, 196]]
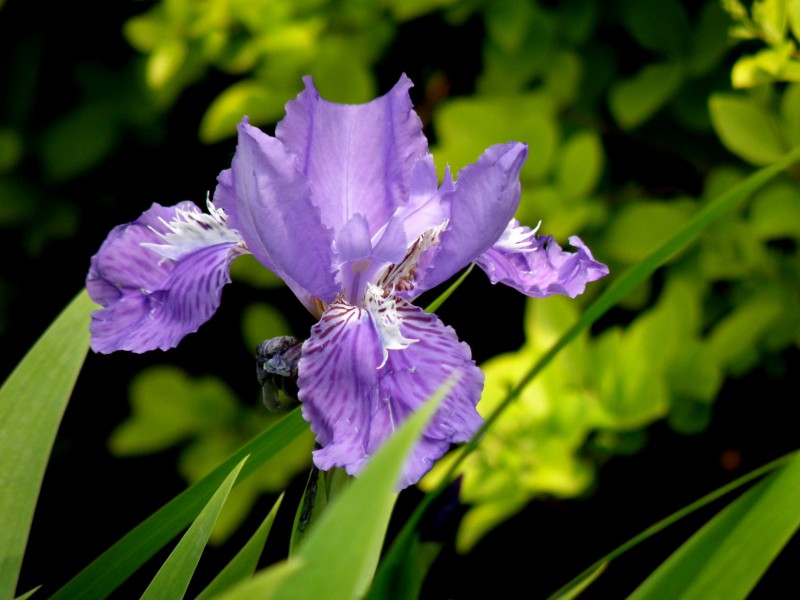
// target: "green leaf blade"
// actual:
[[117, 563], [172, 579], [339, 555], [729, 555], [32, 402], [243, 565], [330, 566]]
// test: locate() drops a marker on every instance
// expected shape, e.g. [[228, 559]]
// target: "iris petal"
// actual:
[[354, 404], [357, 157], [151, 301], [541, 268], [268, 200], [485, 198]]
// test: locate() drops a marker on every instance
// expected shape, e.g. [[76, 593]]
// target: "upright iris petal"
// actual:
[[344, 205]]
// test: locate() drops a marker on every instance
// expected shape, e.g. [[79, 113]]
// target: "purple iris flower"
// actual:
[[344, 205]]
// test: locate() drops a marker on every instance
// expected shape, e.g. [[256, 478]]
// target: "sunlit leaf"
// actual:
[[507, 23], [790, 112], [746, 128], [770, 17], [248, 270], [580, 165], [168, 406], [775, 212], [251, 97], [736, 336], [404, 10], [32, 401], [172, 579], [467, 126], [563, 74], [165, 62], [638, 227], [793, 15], [342, 72]]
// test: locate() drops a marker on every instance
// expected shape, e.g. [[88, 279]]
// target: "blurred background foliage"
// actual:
[[637, 113]]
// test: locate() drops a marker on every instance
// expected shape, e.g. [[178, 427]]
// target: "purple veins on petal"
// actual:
[[355, 393], [160, 277]]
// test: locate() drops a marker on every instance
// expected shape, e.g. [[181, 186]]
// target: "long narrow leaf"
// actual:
[[244, 564], [434, 306], [338, 556], [32, 402], [615, 292], [117, 563], [172, 579], [28, 594], [673, 518], [728, 556]]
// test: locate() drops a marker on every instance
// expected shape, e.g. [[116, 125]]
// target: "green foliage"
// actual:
[[635, 100], [775, 23], [172, 579], [616, 383], [116, 564], [747, 128], [272, 44], [169, 407], [670, 361], [32, 401], [244, 564], [730, 554], [323, 565], [788, 462]]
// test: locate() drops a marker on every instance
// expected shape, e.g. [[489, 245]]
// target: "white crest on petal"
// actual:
[[383, 310], [517, 238], [192, 230], [400, 276]]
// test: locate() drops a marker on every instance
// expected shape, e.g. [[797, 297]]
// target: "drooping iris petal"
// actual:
[[541, 268], [485, 198], [357, 157], [354, 404], [159, 278], [269, 203]]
